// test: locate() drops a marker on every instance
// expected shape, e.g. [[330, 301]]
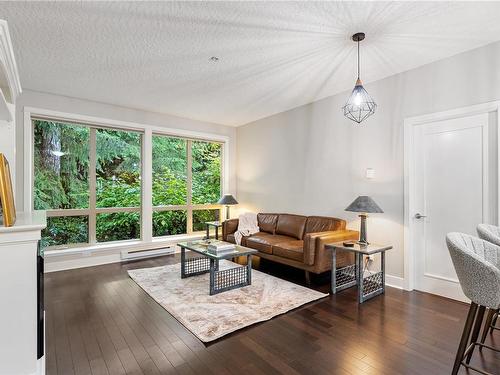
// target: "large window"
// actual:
[[186, 184], [89, 179]]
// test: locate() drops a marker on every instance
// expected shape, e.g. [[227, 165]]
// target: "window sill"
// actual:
[[136, 245]]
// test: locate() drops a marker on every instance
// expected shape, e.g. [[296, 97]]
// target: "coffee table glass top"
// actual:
[[201, 247]]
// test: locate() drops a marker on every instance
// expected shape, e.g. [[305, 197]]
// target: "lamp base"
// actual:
[[362, 231]]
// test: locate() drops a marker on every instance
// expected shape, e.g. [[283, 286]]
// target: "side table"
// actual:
[[216, 225], [354, 274]]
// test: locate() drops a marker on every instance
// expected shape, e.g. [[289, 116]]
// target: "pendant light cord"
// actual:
[[358, 58]]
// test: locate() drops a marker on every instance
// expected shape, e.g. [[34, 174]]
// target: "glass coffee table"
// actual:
[[208, 262]]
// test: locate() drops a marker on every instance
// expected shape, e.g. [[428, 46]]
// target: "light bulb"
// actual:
[[357, 99]]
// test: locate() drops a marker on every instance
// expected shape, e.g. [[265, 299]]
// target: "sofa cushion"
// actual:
[[292, 249], [323, 224], [267, 222], [264, 241], [291, 225]]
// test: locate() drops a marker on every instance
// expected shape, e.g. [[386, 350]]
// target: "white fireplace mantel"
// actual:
[[18, 295], [26, 222]]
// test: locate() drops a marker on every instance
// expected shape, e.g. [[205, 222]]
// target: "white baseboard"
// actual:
[[61, 260], [53, 265], [40, 366], [394, 281]]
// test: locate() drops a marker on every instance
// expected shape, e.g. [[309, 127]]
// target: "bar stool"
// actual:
[[490, 233], [475, 263]]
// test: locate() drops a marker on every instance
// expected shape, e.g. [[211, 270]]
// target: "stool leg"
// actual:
[[465, 338], [487, 326], [475, 331], [494, 322]]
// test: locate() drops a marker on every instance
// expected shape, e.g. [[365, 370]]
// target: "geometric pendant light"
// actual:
[[360, 105]]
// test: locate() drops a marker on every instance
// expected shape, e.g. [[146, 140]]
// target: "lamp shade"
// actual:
[[360, 105], [365, 204], [228, 200]]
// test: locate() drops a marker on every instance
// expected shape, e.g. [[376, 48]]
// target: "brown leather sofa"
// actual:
[[295, 240]]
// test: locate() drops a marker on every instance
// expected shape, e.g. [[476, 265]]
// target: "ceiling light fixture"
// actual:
[[360, 105]]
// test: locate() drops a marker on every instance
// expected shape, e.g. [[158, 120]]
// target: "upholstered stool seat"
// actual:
[[490, 233], [476, 263]]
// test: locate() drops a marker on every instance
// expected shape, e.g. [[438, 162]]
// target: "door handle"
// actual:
[[418, 216]]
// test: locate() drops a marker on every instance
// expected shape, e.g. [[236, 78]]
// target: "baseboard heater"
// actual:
[[140, 254]]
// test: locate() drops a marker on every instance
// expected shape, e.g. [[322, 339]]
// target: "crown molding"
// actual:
[[8, 62]]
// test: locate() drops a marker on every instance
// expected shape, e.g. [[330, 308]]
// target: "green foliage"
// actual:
[[118, 171], [202, 216], [206, 172], [167, 189], [61, 157], [166, 223], [118, 152], [118, 226], [61, 181], [65, 230], [169, 171], [118, 192], [172, 153]]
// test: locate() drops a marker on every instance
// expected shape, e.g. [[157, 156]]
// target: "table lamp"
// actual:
[[365, 205], [227, 200]]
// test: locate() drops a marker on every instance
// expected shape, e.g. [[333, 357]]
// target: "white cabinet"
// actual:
[[18, 294]]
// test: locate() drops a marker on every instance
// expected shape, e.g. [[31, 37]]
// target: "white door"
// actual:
[[453, 190]]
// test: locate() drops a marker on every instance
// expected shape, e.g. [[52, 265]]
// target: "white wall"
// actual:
[[312, 160]]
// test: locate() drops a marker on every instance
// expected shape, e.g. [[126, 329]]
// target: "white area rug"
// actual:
[[211, 317]]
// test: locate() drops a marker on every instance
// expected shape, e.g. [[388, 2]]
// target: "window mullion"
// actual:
[[189, 187], [147, 186], [92, 186]]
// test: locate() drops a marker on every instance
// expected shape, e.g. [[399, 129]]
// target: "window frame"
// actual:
[[146, 208], [189, 207], [92, 211]]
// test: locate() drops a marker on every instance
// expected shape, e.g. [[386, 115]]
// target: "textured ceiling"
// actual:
[[273, 55]]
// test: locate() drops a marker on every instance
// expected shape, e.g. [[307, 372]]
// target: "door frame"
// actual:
[[409, 172]]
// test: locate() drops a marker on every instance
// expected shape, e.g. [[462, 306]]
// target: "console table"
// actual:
[[354, 274]]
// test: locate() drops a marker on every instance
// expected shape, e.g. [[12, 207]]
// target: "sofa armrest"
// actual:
[[229, 227], [314, 244]]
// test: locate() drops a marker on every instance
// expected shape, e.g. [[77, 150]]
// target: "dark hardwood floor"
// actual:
[[100, 322]]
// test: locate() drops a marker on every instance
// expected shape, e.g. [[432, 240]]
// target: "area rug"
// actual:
[[211, 317]]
